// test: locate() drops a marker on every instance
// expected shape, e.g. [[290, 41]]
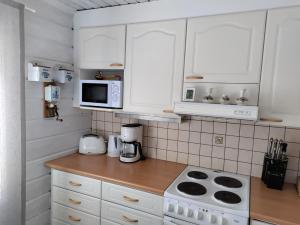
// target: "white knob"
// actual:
[[200, 216], [221, 221], [170, 207], [190, 213], [179, 210], [212, 219]]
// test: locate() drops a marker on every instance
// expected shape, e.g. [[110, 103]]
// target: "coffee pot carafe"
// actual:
[[131, 143]]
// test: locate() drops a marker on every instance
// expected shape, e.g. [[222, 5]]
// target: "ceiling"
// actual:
[[79, 5]]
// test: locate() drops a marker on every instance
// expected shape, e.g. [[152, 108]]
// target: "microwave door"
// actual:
[[95, 94]]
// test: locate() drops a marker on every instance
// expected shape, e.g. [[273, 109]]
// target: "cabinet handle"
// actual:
[[130, 220], [75, 184], [75, 219], [74, 202], [116, 64], [194, 77], [271, 119], [128, 199], [168, 111]]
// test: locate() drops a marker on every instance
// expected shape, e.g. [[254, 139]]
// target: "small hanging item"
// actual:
[[52, 96]]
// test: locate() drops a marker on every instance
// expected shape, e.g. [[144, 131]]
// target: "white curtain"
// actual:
[[11, 114]]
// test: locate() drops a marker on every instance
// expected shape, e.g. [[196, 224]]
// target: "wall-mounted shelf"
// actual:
[[164, 117], [217, 110]]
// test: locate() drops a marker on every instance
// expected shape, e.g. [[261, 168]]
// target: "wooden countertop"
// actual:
[[150, 175], [274, 206]]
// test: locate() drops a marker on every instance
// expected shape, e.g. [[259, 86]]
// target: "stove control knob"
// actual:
[[189, 213], [212, 219], [170, 207], [200, 216], [179, 210], [221, 221]]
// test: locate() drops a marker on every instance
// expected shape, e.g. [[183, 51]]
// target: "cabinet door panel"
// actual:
[[226, 48], [154, 65], [102, 47], [280, 92]]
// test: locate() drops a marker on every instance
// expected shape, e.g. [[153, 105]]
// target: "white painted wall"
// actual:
[[48, 39], [171, 9]]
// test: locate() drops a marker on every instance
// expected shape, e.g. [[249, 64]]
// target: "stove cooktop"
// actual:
[[222, 191]]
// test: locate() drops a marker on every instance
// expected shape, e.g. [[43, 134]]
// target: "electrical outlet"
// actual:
[[219, 140]]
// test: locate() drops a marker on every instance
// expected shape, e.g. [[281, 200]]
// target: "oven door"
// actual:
[[95, 93], [172, 221]]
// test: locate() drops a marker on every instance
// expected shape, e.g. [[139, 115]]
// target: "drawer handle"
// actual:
[[168, 111], [75, 184], [74, 202], [128, 199], [271, 119], [194, 77], [75, 219], [116, 64], [130, 220]]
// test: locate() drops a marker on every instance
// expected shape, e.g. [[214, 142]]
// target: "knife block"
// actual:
[[274, 172]]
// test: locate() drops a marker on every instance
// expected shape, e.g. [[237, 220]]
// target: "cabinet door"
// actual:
[[102, 47], [256, 222], [280, 92], [154, 66], [225, 48]]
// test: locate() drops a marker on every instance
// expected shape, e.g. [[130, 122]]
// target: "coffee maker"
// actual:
[[131, 143]]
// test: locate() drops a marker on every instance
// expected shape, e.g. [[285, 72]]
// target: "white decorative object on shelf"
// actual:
[[39, 73], [208, 98], [225, 100], [217, 110], [242, 100], [63, 76]]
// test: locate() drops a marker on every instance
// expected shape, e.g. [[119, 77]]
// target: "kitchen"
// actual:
[[195, 82]]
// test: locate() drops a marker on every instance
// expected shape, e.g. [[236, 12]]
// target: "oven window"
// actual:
[[94, 93]]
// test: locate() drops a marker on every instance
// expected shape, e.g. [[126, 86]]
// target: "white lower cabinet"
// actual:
[[107, 222], [124, 215], [256, 222], [72, 216], [82, 205], [57, 222], [132, 198]]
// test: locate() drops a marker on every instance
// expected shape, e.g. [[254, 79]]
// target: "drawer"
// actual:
[[127, 216], [57, 222], [77, 183], [133, 198], [107, 222], [77, 201], [72, 216]]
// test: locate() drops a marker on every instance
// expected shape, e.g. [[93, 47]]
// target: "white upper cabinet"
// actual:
[[225, 48], [154, 66], [102, 47], [280, 84]]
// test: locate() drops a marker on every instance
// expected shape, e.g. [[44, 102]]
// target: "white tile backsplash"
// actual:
[[247, 131], [261, 132], [193, 142]]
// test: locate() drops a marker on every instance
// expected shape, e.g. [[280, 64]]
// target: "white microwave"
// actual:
[[101, 93]]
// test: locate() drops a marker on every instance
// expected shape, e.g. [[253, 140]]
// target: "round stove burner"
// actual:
[[197, 175], [228, 182], [227, 197], [191, 188]]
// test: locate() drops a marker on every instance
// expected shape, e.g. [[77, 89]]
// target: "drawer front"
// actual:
[[72, 216], [126, 216], [77, 183], [107, 222], [133, 198], [57, 222], [77, 201]]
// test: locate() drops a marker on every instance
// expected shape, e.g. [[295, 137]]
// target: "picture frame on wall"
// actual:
[[189, 94]]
